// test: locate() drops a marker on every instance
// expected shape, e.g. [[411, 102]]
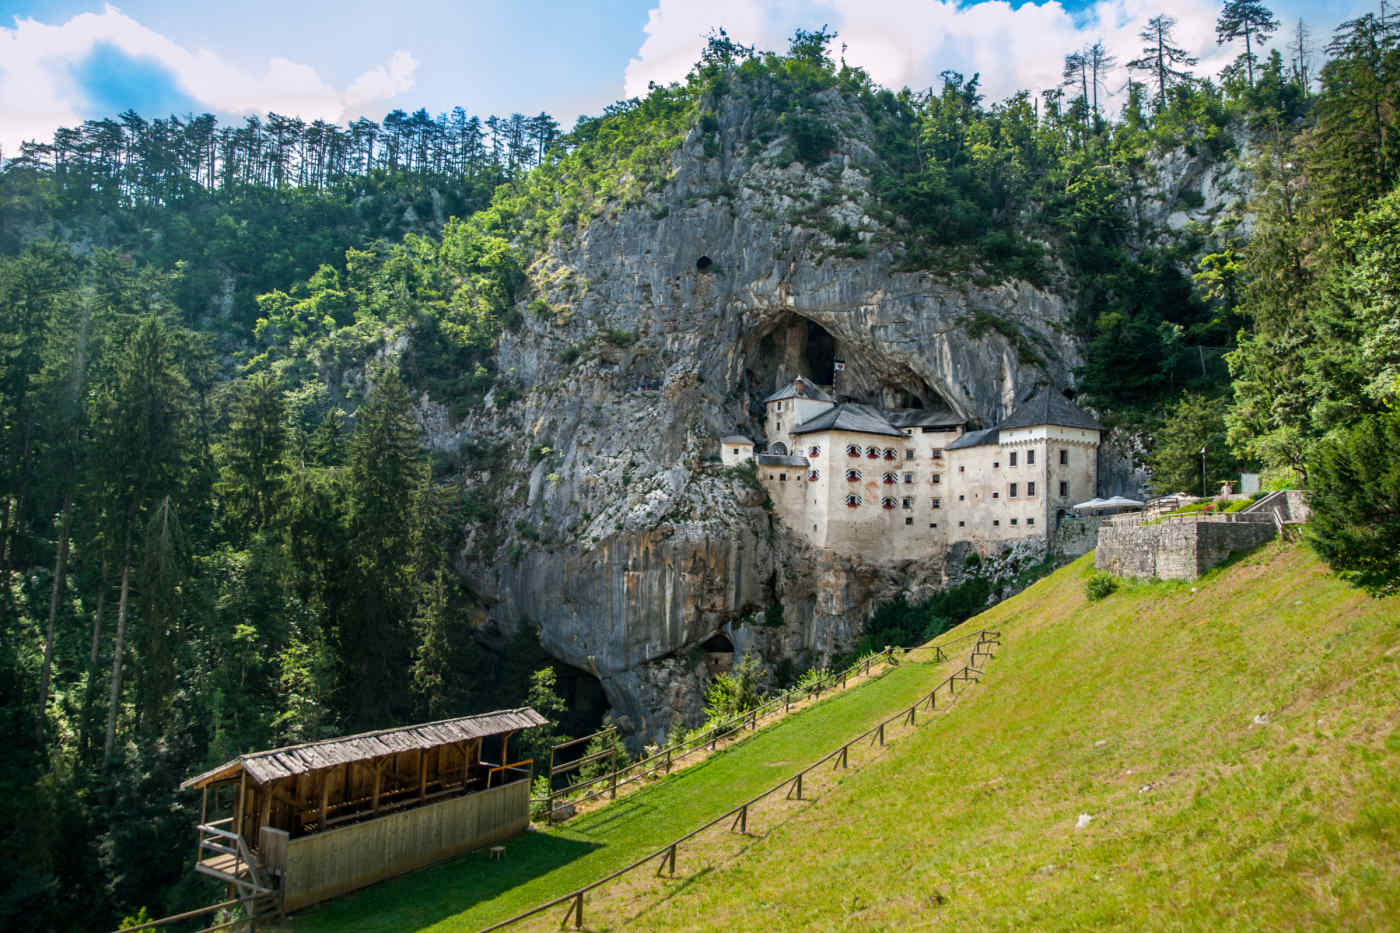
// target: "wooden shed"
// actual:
[[315, 820]]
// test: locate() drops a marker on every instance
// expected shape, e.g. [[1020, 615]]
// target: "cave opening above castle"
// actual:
[[897, 484]]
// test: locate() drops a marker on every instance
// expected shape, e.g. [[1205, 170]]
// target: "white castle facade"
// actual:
[[898, 485]]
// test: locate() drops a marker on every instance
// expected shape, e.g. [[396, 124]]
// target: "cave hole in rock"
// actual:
[[703, 264], [584, 707], [718, 643]]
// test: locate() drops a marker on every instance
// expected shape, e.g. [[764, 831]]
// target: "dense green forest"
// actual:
[[217, 528]]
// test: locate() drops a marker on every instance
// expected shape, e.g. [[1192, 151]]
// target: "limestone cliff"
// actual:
[[658, 329]]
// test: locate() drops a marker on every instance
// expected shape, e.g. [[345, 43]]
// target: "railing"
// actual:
[[666, 758], [739, 815], [524, 768]]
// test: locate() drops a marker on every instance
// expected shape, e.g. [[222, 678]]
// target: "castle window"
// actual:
[[996, 464], [996, 522], [937, 503], [1064, 457], [962, 524], [962, 469], [852, 501], [961, 497], [813, 476], [995, 494], [889, 479], [873, 453], [1011, 461], [936, 453], [908, 502], [782, 477], [887, 502], [853, 450], [909, 477], [814, 451], [1064, 488], [1012, 493], [938, 477], [853, 476], [1013, 521], [1030, 490], [1030, 521], [909, 521], [909, 455], [890, 453], [1030, 458], [780, 425]]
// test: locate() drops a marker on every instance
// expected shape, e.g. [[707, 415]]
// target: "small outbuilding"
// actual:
[[316, 820], [735, 449]]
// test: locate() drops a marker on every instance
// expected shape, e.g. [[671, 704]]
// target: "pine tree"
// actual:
[[1166, 62], [1249, 19], [253, 478]]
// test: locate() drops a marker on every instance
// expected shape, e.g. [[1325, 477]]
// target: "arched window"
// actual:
[[813, 476], [814, 451], [853, 450], [888, 502], [890, 453], [873, 453], [852, 501], [889, 479], [779, 448], [853, 476]]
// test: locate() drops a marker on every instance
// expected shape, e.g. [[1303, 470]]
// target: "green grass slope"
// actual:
[[471, 892], [1234, 742]]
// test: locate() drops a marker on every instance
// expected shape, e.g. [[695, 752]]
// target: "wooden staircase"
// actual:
[[225, 855]]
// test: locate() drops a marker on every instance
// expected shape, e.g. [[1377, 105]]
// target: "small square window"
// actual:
[[961, 524], [1013, 521], [782, 477], [996, 464], [909, 521], [1064, 488], [937, 503], [996, 494], [908, 502], [1030, 458], [1030, 521], [1011, 458], [962, 469], [909, 477], [938, 477], [936, 453], [909, 455], [961, 497], [933, 524], [996, 522]]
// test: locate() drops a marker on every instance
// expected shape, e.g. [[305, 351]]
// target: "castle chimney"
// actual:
[[799, 387]]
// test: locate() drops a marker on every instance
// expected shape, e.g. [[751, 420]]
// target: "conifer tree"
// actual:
[[1249, 19], [1167, 63]]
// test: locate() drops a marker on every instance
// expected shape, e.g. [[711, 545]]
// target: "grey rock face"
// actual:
[[625, 541]]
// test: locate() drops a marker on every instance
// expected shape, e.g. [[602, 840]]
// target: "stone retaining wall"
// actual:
[[1175, 550]]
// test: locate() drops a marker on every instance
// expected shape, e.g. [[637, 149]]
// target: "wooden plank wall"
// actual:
[[326, 864]]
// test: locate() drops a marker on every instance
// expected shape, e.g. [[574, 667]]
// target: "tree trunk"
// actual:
[[117, 649], [60, 579], [88, 692]]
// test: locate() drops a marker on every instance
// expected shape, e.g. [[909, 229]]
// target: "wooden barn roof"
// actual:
[[292, 760]]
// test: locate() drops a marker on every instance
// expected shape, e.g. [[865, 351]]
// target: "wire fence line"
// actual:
[[738, 815], [665, 759]]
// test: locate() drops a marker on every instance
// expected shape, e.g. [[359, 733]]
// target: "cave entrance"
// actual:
[[584, 701], [718, 643], [820, 354]]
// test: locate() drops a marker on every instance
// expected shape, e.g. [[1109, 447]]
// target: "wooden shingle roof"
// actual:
[[292, 760]]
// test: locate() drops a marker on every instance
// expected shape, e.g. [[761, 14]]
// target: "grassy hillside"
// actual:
[[1234, 741]]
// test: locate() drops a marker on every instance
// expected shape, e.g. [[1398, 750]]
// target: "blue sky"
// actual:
[[65, 60]]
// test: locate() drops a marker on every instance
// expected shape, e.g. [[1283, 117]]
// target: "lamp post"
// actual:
[[1203, 471]]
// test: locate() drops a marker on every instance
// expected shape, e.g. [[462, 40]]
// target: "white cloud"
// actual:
[[38, 93], [908, 42]]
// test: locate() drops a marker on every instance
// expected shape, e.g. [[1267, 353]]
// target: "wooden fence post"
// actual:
[[882, 733], [668, 759], [578, 911], [741, 821], [612, 789], [799, 785]]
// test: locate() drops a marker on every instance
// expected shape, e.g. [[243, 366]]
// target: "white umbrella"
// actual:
[[1093, 505], [1119, 502]]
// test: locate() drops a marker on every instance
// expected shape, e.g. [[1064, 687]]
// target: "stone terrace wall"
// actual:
[[1076, 536], [1175, 550]]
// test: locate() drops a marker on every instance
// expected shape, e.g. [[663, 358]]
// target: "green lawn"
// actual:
[[472, 892], [1235, 742]]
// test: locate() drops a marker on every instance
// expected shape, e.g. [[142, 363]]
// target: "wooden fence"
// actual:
[[738, 816], [665, 759]]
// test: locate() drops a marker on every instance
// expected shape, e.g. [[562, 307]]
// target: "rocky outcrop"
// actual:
[[659, 329]]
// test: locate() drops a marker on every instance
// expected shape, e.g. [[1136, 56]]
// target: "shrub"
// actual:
[[569, 355], [1100, 585]]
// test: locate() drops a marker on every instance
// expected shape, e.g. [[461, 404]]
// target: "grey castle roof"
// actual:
[[1045, 407], [781, 460], [975, 439], [809, 390], [735, 439], [1048, 406], [921, 417], [849, 416]]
